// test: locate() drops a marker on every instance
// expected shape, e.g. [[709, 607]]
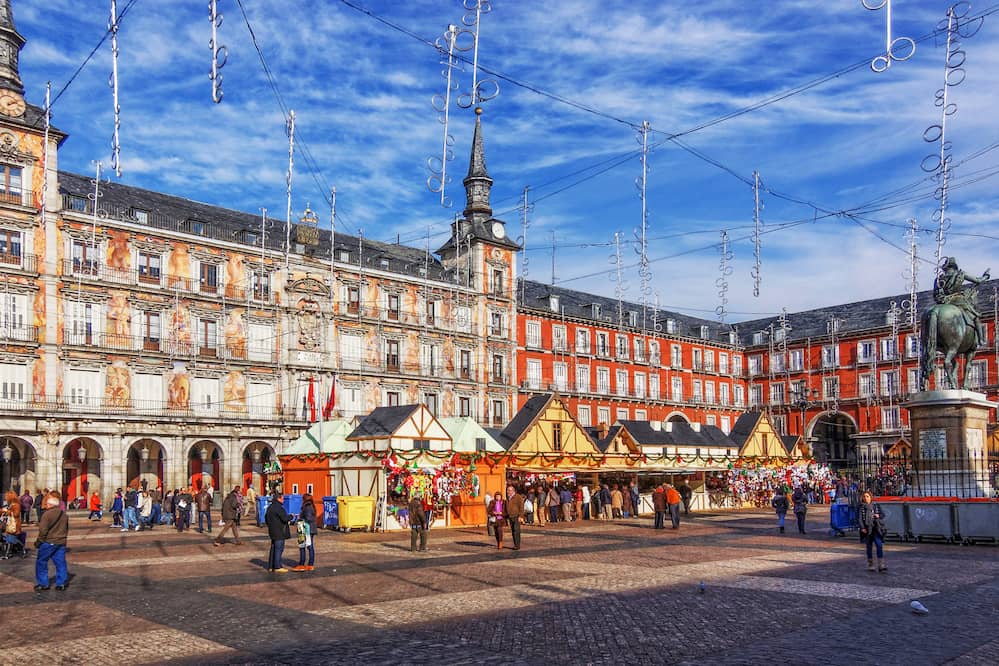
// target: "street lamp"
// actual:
[[257, 454], [81, 452], [8, 451], [204, 453], [803, 403], [144, 453]]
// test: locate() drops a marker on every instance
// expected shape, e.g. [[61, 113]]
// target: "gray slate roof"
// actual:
[[382, 422], [680, 434], [743, 427], [853, 317], [789, 442], [523, 419], [579, 305], [170, 212], [603, 443]]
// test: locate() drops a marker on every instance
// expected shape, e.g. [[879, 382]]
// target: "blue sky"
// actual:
[[362, 96]]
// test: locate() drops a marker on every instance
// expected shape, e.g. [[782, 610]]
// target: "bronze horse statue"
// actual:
[[944, 327]]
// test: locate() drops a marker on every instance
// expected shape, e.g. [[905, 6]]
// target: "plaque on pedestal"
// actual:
[[949, 428]]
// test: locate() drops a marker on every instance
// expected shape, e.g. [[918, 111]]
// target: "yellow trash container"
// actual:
[[356, 512]]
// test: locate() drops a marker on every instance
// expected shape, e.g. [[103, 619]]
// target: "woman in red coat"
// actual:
[[95, 506]]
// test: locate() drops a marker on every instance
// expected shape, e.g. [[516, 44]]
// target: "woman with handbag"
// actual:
[[495, 511], [872, 530]]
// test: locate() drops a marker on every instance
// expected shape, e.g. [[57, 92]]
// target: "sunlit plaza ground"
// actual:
[[596, 592]]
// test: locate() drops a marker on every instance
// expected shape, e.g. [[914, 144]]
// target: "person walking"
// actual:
[[417, 524], [277, 521], [39, 499], [131, 516], [117, 509], [250, 504], [496, 512], [204, 501], [586, 502], [780, 505], [53, 531], [673, 504], [686, 494], [800, 501], [95, 507], [529, 501], [659, 506], [617, 502], [541, 505], [513, 511], [307, 525], [26, 504], [230, 516], [182, 509], [636, 499], [553, 504], [872, 530], [565, 500], [606, 502]]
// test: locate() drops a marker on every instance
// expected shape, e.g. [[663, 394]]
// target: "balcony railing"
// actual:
[[132, 343], [92, 269], [145, 408], [18, 197], [19, 261], [19, 333]]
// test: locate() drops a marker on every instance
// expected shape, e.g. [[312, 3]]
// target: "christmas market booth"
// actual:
[[394, 453]]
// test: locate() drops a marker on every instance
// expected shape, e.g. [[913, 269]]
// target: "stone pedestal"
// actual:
[[949, 432]]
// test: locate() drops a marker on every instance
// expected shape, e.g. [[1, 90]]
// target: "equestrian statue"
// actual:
[[953, 326]]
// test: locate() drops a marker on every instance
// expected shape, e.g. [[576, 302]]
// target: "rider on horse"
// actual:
[[949, 288]]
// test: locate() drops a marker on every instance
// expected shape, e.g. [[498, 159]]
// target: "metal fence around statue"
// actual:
[[973, 475]]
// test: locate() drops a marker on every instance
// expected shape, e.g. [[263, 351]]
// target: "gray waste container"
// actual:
[[978, 521], [932, 520], [895, 520]]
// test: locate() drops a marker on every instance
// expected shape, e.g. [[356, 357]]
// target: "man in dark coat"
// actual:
[[417, 524], [659, 506], [182, 504], [204, 501], [277, 521], [514, 509], [230, 514]]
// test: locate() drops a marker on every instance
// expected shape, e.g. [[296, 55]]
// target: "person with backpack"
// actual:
[[780, 505], [800, 501], [872, 530]]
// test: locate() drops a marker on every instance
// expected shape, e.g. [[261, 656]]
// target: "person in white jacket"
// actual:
[[145, 510]]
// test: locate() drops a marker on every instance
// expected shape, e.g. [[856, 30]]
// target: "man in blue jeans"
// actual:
[[53, 530], [277, 520]]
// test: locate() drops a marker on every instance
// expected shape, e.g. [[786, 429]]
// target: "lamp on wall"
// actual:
[[144, 453], [257, 454], [81, 452], [204, 453], [8, 451]]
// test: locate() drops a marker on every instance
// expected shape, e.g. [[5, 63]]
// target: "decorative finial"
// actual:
[[478, 110]]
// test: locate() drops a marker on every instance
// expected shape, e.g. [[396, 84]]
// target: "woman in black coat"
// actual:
[[277, 520], [308, 516], [872, 530]]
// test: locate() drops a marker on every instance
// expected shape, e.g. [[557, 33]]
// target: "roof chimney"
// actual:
[[656, 425], [603, 429]]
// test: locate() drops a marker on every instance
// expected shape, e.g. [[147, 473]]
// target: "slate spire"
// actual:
[[11, 43], [477, 182]]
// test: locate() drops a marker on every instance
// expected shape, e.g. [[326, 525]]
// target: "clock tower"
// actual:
[[11, 42]]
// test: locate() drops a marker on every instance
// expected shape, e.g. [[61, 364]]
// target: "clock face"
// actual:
[[11, 104], [498, 230]]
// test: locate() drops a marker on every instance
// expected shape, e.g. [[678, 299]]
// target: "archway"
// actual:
[[204, 465], [81, 468], [144, 463], [677, 417], [255, 456], [17, 465], [832, 439]]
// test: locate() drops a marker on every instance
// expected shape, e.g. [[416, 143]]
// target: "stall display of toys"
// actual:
[[754, 483], [439, 482]]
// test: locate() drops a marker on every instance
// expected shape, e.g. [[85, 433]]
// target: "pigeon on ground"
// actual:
[[701, 587], [918, 608]]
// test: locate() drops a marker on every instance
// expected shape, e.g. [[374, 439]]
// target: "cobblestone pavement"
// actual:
[[590, 593]]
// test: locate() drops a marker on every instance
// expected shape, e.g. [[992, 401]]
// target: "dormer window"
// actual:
[[632, 318], [383, 262], [141, 216], [196, 227], [596, 310], [343, 255], [76, 203], [705, 333], [250, 237], [758, 338], [553, 303], [671, 326]]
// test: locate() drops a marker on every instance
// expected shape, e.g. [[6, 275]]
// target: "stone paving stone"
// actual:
[[135, 647], [57, 617]]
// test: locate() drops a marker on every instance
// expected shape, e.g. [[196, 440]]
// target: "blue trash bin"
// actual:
[[263, 502], [842, 517], [293, 504], [331, 513]]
